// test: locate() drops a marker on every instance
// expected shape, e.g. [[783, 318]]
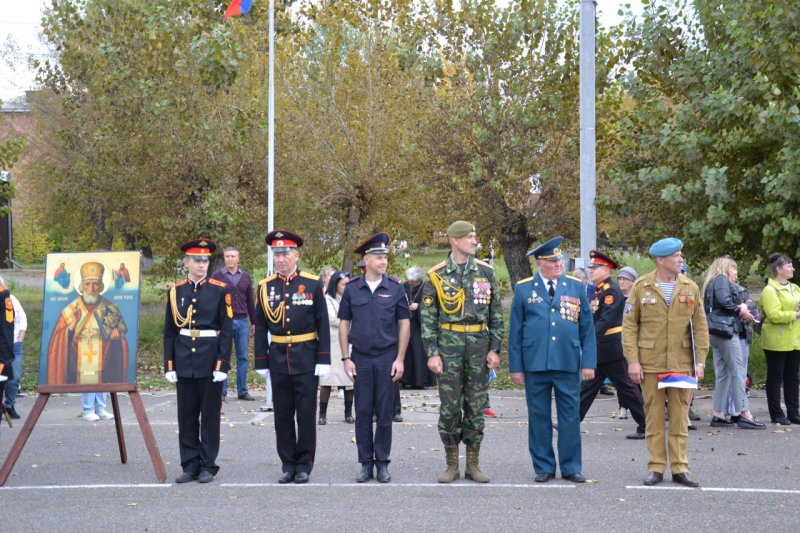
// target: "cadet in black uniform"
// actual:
[[374, 318], [607, 309], [6, 343], [291, 307], [197, 352]]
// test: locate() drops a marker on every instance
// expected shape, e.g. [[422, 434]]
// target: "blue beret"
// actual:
[[549, 250], [665, 247]]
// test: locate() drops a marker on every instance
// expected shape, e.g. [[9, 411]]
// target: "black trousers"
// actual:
[[199, 404], [782, 368], [630, 395], [294, 398], [374, 393]]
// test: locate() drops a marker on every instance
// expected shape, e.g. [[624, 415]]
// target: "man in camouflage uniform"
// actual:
[[462, 329]]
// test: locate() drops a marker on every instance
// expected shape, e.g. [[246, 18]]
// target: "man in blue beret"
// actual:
[[663, 327], [552, 347]]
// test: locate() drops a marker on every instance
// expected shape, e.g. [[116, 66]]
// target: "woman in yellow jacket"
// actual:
[[780, 338]]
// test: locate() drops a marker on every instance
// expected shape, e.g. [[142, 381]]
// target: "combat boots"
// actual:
[[473, 471], [452, 473]]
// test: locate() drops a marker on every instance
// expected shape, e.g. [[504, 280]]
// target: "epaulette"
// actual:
[[351, 280], [218, 283], [573, 277], [437, 267], [268, 279], [308, 275], [181, 282], [524, 280], [484, 263], [606, 286], [396, 280]]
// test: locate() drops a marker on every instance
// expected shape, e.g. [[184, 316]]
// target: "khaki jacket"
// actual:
[[658, 336]]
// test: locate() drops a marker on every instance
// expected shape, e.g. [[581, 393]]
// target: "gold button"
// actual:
[[288, 319], [288, 332], [194, 311], [194, 300], [287, 307], [193, 350]]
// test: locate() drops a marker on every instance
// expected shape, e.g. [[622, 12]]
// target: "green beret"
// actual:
[[460, 228]]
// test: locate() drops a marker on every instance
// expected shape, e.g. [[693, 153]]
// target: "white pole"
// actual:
[[271, 128], [587, 127], [267, 406]]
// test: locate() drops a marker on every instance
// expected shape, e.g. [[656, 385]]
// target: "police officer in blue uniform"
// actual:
[[376, 320], [551, 347], [197, 350], [291, 308], [608, 306]]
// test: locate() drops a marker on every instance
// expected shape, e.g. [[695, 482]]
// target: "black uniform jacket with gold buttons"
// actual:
[[7, 335], [198, 356], [607, 310], [293, 306]]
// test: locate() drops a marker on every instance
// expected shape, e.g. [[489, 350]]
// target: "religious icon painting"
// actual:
[[90, 318]]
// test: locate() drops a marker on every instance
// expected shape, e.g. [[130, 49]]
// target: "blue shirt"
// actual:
[[374, 315]]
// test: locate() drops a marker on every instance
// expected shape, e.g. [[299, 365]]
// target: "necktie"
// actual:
[[551, 290]]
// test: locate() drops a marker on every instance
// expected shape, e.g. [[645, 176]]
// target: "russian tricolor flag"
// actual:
[[238, 7], [677, 380]]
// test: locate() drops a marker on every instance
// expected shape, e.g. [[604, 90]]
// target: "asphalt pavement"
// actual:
[[69, 476]]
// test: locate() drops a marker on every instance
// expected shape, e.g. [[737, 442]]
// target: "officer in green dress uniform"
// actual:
[[462, 329]]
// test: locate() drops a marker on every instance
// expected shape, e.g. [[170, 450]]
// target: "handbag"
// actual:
[[719, 324]]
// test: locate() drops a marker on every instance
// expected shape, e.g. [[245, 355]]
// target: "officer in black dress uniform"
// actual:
[[197, 352], [607, 310], [6, 343], [376, 320], [291, 308]]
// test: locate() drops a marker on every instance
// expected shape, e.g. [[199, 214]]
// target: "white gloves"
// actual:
[[321, 370], [3, 378], [171, 376], [219, 376], [263, 372]]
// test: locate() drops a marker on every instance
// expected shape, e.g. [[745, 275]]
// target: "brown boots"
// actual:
[[473, 471], [452, 473]]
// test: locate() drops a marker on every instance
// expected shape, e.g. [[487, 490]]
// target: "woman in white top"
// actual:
[[336, 376]]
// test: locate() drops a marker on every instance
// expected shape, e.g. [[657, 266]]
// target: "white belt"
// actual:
[[198, 332]]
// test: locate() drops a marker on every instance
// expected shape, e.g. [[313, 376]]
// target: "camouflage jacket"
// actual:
[[477, 303]]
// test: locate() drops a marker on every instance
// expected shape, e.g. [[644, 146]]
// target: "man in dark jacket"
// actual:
[[197, 352], [607, 310], [291, 309]]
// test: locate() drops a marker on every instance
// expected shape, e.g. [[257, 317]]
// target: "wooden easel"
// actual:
[[138, 407]]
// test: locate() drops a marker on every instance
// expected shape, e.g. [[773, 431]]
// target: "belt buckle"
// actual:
[[194, 333]]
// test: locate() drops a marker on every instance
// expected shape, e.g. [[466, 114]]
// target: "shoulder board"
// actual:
[[573, 278], [484, 264], [267, 279], [396, 280], [351, 280], [217, 282], [181, 282], [437, 267], [308, 275], [524, 280], [606, 286]]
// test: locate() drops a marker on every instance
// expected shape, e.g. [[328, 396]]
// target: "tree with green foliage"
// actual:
[[508, 141], [711, 145]]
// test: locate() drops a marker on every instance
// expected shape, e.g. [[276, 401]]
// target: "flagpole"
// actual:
[[271, 129]]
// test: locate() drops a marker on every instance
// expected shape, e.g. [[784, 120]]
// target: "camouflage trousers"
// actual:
[[463, 386]]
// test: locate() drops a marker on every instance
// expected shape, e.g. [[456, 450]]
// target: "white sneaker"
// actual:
[[91, 417], [105, 415], [623, 413], [340, 394]]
